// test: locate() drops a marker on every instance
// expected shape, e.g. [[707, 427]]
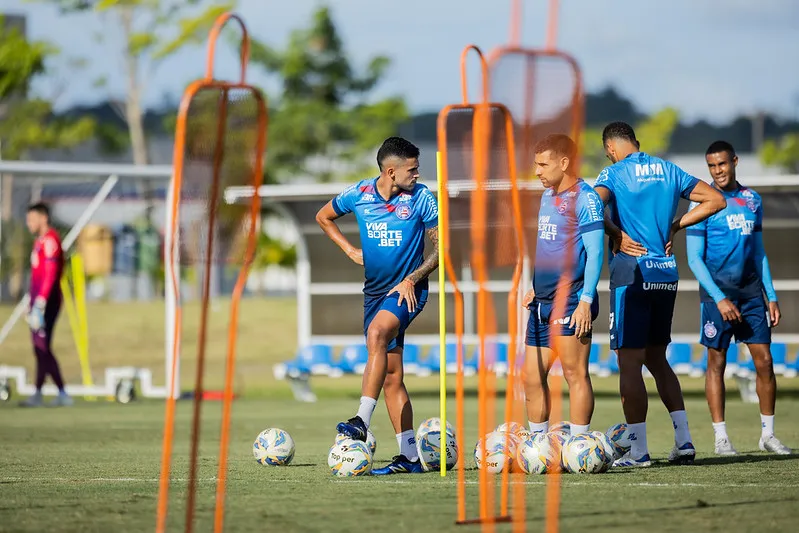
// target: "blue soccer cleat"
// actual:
[[400, 465], [684, 455], [627, 461], [353, 428]]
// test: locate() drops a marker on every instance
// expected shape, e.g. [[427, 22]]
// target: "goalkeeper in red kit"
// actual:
[[47, 265]]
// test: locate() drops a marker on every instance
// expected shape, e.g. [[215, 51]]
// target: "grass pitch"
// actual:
[[95, 467]]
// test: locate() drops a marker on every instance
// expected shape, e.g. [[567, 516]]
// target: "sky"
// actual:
[[711, 59]]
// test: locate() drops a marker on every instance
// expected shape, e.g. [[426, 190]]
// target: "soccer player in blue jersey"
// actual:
[[726, 254], [644, 192], [563, 302], [394, 212]]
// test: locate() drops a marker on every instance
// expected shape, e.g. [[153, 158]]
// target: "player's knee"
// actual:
[[393, 380], [764, 366], [377, 335], [575, 374], [716, 363]]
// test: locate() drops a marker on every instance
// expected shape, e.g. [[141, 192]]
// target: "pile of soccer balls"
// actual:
[[552, 451]]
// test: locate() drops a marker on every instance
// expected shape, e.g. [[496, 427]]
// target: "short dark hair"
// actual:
[[396, 147], [41, 208], [619, 130], [720, 146], [560, 144]]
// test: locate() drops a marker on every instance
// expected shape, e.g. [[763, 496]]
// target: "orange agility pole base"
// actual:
[[220, 140]]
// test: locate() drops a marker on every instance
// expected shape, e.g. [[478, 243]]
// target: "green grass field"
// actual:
[[94, 467]]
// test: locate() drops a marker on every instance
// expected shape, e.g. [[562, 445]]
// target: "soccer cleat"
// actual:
[[62, 400], [773, 445], [683, 455], [32, 401], [400, 465], [724, 447], [353, 428], [627, 461]]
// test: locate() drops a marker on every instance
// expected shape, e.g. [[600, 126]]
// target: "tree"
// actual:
[[323, 124], [151, 31], [654, 133], [783, 153]]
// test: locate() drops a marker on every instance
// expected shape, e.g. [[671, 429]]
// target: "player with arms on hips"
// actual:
[[47, 265], [644, 192], [394, 213], [563, 302], [726, 254]]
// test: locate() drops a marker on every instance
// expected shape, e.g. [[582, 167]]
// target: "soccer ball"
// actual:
[[350, 458], [429, 449], [531, 456], [513, 427], [583, 454], [273, 447], [432, 424], [619, 436], [562, 427], [370, 440], [496, 454], [607, 446], [550, 446]]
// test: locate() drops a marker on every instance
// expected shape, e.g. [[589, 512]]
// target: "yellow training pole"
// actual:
[[442, 328], [74, 325], [79, 280]]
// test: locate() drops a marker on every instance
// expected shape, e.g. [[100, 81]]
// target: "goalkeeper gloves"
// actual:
[[36, 314]]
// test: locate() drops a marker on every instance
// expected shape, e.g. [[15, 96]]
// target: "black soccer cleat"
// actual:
[[353, 428]]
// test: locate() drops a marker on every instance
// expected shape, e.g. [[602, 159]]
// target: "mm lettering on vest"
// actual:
[[660, 286], [652, 169], [386, 238]]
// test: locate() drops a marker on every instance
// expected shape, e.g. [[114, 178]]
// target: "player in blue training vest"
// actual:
[[394, 213], [643, 192], [563, 302], [726, 254]]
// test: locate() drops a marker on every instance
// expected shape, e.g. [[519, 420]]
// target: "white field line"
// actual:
[[450, 482]]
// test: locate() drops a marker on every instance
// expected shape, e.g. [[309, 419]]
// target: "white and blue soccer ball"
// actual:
[[497, 455], [514, 427], [619, 436], [550, 446], [273, 447], [432, 424], [532, 456], [583, 454], [348, 458], [429, 449], [607, 446], [371, 441], [564, 428]]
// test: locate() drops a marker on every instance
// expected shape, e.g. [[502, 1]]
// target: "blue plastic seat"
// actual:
[[317, 358], [352, 359], [594, 366], [679, 357], [410, 359]]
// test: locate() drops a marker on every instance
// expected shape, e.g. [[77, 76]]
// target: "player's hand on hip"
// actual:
[[774, 313], [581, 319], [356, 254], [407, 293], [629, 246], [728, 311], [529, 296]]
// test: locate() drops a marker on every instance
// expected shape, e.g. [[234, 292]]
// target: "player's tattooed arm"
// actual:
[[431, 261]]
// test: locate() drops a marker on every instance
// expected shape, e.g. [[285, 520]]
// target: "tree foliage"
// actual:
[[323, 124], [782, 152], [27, 123]]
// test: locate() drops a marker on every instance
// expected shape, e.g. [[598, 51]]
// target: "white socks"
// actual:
[[366, 409], [639, 448], [538, 427], [407, 445], [681, 433], [766, 425], [720, 430], [577, 429]]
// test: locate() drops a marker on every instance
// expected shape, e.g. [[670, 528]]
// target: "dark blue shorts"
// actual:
[[542, 324], [371, 306], [641, 313], [755, 328]]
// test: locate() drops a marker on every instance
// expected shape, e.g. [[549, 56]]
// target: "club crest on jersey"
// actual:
[[403, 212], [751, 205], [562, 205], [710, 330]]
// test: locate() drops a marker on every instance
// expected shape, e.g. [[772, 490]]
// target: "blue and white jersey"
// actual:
[[646, 192], [563, 219], [392, 232], [730, 251]]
